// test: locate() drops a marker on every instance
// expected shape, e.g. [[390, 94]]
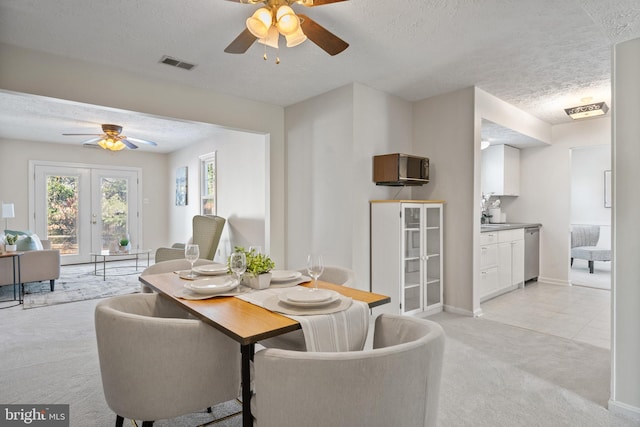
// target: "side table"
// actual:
[[15, 257]]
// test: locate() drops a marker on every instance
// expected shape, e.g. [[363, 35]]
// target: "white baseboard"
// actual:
[[624, 410], [554, 281], [456, 310]]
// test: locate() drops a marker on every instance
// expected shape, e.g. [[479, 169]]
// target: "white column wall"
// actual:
[[625, 396], [331, 139], [444, 131]]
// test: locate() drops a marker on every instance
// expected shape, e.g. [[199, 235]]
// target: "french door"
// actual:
[[84, 209]]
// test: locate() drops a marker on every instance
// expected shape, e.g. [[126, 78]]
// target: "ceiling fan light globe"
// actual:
[[271, 39], [260, 22], [119, 145], [296, 38], [287, 21]]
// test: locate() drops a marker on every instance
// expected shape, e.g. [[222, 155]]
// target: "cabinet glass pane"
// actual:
[[433, 293], [411, 298], [411, 218], [433, 217], [411, 273], [433, 241], [412, 243]]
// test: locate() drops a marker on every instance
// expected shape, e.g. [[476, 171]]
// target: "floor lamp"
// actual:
[[7, 212]]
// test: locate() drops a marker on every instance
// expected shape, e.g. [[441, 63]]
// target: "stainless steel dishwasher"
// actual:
[[531, 253]]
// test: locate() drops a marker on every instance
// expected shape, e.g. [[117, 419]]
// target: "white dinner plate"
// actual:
[[284, 275], [332, 297], [212, 286], [301, 294], [211, 269]]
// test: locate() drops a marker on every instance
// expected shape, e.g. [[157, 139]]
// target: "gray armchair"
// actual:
[[207, 230], [156, 363], [395, 384], [584, 242]]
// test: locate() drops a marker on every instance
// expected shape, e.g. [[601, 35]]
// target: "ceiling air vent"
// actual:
[[176, 63]]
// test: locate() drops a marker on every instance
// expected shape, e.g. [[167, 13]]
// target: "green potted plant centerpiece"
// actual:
[[124, 245], [11, 240], [259, 266]]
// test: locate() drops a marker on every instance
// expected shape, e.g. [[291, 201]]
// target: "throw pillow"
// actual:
[[26, 242]]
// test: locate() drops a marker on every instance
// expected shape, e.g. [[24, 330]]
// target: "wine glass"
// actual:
[[238, 264], [315, 267], [191, 253]]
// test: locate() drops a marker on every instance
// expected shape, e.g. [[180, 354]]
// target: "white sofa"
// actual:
[[35, 266]]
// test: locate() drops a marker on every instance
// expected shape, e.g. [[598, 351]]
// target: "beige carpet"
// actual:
[[494, 375], [601, 277]]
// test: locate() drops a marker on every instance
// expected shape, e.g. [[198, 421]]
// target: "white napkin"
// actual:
[[342, 331]]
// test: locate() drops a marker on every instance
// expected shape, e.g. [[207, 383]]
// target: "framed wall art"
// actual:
[[182, 186]]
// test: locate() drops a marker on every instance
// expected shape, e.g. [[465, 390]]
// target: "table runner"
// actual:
[[342, 331]]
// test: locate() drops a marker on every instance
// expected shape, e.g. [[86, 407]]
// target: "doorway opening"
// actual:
[[590, 219]]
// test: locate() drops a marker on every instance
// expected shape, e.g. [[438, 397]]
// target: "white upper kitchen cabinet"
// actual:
[[501, 170]]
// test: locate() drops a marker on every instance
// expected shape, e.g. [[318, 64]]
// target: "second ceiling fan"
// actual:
[[111, 138], [277, 17]]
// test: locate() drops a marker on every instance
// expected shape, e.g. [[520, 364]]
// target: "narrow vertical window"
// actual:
[[208, 173]]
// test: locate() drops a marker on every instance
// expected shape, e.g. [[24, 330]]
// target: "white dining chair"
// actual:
[[335, 274], [157, 364], [295, 340], [397, 383], [168, 267]]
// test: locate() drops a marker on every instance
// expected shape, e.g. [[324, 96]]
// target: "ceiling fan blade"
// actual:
[[311, 3], [80, 134], [142, 141], [325, 39], [129, 144], [241, 43], [92, 140]]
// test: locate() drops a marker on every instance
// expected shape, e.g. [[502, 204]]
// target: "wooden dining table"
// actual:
[[244, 322]]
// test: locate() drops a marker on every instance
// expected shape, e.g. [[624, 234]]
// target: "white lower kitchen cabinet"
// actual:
[[489, 278], [508, 246], [406, 255]]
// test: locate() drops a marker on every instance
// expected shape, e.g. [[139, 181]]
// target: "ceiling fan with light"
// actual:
[[111, 138], [275, 18]]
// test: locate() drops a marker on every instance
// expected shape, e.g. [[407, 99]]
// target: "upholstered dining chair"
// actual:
[[397, 383], [206, 230], [295, 340], [335, 274], [169, 266], [157, 364]]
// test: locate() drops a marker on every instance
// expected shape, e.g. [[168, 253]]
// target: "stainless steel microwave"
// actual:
[[400, 169]]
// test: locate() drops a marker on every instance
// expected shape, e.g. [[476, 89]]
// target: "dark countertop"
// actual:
[[507, 226]]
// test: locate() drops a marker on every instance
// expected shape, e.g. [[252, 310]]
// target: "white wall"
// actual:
[[14, 179], [331, 139], [241, 165], [545, 189], [49, 75], [587, 189], [625, 395], [443, 130]]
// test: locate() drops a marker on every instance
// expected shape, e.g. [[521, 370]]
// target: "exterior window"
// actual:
[[208, 204]]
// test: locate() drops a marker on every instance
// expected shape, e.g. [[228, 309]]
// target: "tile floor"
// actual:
[[573, 312]]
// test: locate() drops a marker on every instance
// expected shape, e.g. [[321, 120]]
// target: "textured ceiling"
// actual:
[[540, 56]]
